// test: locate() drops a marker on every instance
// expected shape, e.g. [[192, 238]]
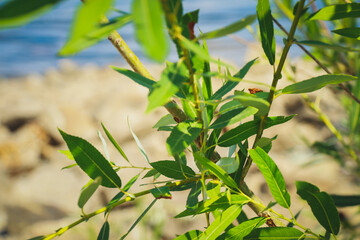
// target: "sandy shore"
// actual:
[[37, 197]]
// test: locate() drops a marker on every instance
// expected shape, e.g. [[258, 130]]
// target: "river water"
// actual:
[[32, 48]]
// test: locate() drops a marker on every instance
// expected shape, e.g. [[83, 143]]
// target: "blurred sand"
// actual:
[[37, 197]]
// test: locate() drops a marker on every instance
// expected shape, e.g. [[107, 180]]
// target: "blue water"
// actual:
[[32, 48]]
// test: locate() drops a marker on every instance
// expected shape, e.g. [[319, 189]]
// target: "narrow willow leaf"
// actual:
[[251, 100], [348, 32], [233, 116], [166, 120], [86, 20], [69, 166], [143, 81], [127, 186], [272, 175], [229, 164], [221, 223], [291, 224], [191, 235], [106, 150], [18, 12], [169, 84], [161, 192], [231, 84], [245, 130], [182, 136], [346, 201], [138, 143], [113, 141], [192, 200], [172, 169], [323, 45], [244, 228], [316, 83], [151, 173], [38, 238], [139, 219], [337, 11], [266, 29], [229, 29], [216, 170], [149, 28], [67, 153], [321, 204], [91, 161], [275, 233], [87, 192], [104, 232]]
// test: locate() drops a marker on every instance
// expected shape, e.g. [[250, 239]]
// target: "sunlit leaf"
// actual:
[[316, 83], [182, 136], [87, 192], [166, 120], [221, 223], [191, 235], [172, 169], [91, 161], [234, 27], [113, 141], [233, 116], [266, 29], [321, 204], [251, 100], [275, 233], [337, 11], [149, 28], [104, 232], [67, 153], [161, 192], [216, 170], [18, 12], [323, 45], [138, 143], [245, 130], [243, 229]]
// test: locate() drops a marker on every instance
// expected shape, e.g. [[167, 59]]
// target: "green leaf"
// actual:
[[251, 100], [138, 143], [221, 223], [172, 169], [272, 175], [116, 145], [348, 32], [191, 235], [67, 153], [234, 27], [91, 161], [192, 200], [143, 81], [161, 192], [170, 82], [244, 228], [337, 11], [86, 20], [151, 173], [87, 192], [127, 186], [69, 166], [316, 83], [266, 29], [149, 28], [229, 85], [15, 13], [216, 170], [275, 233], [37, 238], [321, 204], [182, 136], [166, 120], [233, 116], [323, 45], [104, 232], [245, 130], [139, 219], [346, 201], [229, 164]]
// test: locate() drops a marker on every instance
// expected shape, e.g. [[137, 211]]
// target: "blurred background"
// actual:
[[41, 92]]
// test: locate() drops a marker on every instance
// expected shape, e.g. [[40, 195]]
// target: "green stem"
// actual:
[[276, 78]]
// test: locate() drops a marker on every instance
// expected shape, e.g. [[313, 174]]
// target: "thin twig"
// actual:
[[318, 62]]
